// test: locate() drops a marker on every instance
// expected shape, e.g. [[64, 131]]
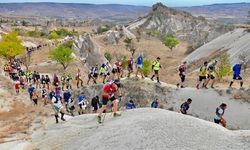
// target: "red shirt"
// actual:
[[108, 89]]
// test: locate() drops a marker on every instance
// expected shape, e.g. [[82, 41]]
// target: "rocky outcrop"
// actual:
[[112, 37], [196, 30], [87, 50], [235, 43]]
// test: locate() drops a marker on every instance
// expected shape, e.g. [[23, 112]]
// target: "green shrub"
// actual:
[[124, 62], [224, 68], [108, 56], [69, 44], [146, 67]]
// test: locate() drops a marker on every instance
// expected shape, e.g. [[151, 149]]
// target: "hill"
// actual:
[[195, 30], [235, 43], [112, 12], [234, 10], [137, 129]]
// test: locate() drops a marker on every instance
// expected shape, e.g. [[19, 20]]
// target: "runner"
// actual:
[[43, 81], [30, 90], [56, 81], [139, 64], [202, 75], [78, 78], [182, 74], [35, 97], [68, 81], [58, 108], [211, 74], [17, 86], [236, 75], [219, 115], [156, 67], [130, 66], [82, 102], [66, 97], [93, 74], [45, 95], [47, 81], [108, 93], [130, 105], [155, 104], [38, 81], [102, 72], [185, 106], [71, 106], [120, 68], [95, 103], [115, 71]]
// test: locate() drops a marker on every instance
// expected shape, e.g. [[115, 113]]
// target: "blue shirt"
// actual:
[[139, 60], [130, 106], [154, 104], [237, 69], [66, 95], [31, 89], [81, 98]]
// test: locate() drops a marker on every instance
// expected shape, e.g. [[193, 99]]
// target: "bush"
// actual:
[[108, 56], [124, 62], [146, 67], [102, 29], [224, 68]]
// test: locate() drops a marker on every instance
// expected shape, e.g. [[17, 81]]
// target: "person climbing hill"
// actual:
[[108, 94], [156, 67], [211, 74], [139, 64], [58, 108], [218, 119], [182, 74], [202, 75], [185, 106], [236, 75]]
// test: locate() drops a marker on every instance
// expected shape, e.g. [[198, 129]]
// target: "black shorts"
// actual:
[[216, 121], [95, 75], [95, 108], [130, 67], [202, 78], [183, 77], [237, 77], [156, 71], [82, 106], [105, 100], [210, 76]]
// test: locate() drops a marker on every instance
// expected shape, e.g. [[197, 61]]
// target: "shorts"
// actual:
[[210, 76], [43, 96], [105, 100], [114, 71], [95, 108], [35, 101], [130, 67], [202, 78], [139, 66], [217, 121], [58, 108], [106, 74], [95, 75], [82, 106], [156, 71], [183, 77], [237, 77]]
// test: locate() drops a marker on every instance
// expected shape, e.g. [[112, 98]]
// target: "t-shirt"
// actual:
[[218, 114], [110, 89], [237, 69], [81, 99], [66, 95], [203, 71], [185, 106], [139, 61]]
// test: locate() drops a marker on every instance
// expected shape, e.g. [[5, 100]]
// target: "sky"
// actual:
[[172, 3]]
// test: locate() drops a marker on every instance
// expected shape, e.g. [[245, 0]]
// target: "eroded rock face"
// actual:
[[87, 50], [112, 37], [196, 30]]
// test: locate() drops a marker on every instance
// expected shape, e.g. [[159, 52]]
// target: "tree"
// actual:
[[170, 41], [54, 35], [11, 46], [62, 55], [224, 68]]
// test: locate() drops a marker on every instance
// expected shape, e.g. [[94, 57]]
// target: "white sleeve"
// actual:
[[220, 111]]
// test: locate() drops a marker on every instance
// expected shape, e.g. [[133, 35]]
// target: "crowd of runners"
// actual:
[[58, 91]]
